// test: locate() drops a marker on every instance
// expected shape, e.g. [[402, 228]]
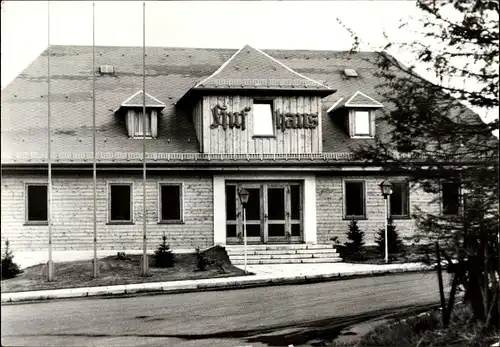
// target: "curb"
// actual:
[[188, 286]]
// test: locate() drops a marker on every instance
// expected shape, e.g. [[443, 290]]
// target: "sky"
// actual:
[[224, 24]]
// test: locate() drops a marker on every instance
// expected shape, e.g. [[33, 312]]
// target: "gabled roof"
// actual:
[[170, 73], [362, 100], [251, 68], [358, 99], [136, 100]]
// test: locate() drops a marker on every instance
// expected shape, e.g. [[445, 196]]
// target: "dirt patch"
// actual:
[[115, 271]]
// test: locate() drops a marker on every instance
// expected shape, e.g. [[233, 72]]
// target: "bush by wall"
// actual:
[[395, 244], [163, 255], [9, 268]]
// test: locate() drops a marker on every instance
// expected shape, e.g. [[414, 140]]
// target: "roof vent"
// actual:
[[350, 73], [107, 70]]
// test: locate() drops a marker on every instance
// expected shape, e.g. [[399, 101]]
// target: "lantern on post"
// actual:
[[386, 189], [244, 196]]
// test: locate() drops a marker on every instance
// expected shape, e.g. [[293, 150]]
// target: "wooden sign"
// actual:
[[296, 120], [229, 119]]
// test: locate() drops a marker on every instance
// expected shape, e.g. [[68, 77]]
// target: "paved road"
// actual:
[[302, 315]]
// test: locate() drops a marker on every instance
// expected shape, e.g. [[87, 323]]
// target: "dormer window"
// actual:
[[263, 118], [361, 115], [134, 107]]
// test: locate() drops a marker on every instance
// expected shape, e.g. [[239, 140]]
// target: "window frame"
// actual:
[[352, 123], [406, 200], [160, 219], [131, 220], [441, 198], [344, 197], [26, 204], [141, 136], [273, 126]]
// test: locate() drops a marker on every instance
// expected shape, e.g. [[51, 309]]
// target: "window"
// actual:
[[399, 200], [138, 124], [36, 203], [450, 198], [120, 203], [362, 123], [354, 195], [263, 118], [170, 203]]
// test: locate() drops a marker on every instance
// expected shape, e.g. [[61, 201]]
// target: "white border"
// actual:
[[123, 104], [377, 104], [220, 68], [308, 180], [286, 67], [266, 55], [334, 105]]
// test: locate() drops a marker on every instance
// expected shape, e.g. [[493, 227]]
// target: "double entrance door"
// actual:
[[273, 212]]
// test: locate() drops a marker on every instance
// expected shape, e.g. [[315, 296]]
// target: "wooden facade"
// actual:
[[240, 139]]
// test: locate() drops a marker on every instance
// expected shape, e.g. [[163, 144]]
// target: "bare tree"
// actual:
[[434, 138]]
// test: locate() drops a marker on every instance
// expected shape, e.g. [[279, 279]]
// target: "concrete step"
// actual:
[[287, 261], [298, 246], [283, 256], [281, 251]]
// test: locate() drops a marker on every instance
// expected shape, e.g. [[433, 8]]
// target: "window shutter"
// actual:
[[351, 123], [154, 123], [372, 123], [130, 123]]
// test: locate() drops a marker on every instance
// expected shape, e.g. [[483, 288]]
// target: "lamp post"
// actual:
[[386, 188], [244, 196]]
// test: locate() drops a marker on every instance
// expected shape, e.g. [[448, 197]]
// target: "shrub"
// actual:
[[163, 255], [355, 237], [202, 261], [9, 268], [395, 244]]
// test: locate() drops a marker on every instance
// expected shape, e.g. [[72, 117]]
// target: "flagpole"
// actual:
[[50, 264], [145, 270], [94, 170]]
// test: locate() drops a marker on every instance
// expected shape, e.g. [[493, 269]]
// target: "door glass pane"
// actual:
[[276, 204], [295, 201], [231, 230], [253, 205], [295, 229], [230, 202], [253, 230], [276, 230]]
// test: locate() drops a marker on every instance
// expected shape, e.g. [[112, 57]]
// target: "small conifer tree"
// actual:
[[355, 237], [163, 255], [395, 244], [9, 268]]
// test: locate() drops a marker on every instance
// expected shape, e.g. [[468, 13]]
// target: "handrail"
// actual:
[[34, 157]]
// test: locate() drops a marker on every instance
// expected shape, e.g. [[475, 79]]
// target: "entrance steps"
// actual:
[[283, 254]]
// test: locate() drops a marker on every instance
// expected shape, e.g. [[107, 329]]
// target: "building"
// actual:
[[279, 123]]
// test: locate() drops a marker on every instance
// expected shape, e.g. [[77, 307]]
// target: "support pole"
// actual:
[[440, 284], [95, 265], [145, 268], [245, 235], [386, 238], [50, 263]]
